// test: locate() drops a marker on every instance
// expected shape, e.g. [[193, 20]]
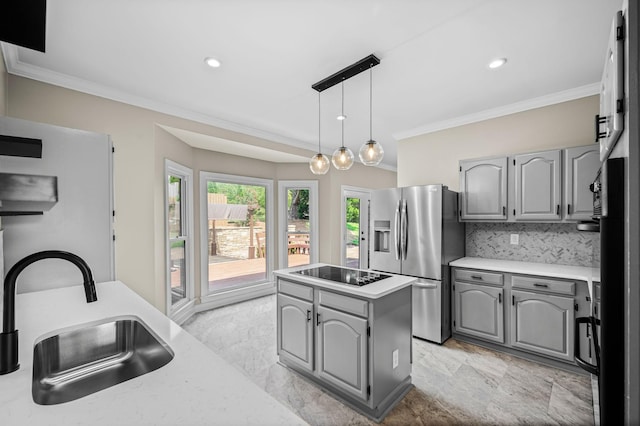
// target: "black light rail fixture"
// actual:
[[346, 73]]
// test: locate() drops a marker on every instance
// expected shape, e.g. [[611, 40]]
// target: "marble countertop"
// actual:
[[374, 290], [582, 273], [196, 387]]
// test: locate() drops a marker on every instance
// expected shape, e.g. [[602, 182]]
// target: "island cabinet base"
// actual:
[[355, 347], [376, 414]]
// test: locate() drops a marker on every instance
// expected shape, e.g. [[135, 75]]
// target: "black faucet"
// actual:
[[9, 336]]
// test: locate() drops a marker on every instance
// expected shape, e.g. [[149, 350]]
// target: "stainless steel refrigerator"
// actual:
[[415, 231]]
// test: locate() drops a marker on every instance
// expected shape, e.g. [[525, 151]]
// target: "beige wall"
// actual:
[[141, 147], [433, 157]]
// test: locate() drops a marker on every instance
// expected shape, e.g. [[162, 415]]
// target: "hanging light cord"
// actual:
[[342, 121], [319, 128], [370, 103]]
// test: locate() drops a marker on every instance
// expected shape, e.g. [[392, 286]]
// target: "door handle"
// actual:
[[591, 368], [308, 315], [397, 233], [558, 209], [477, 277], [405, 229], [318, 319], [568, 208], [513, 300], [540, 285], [499, 297]]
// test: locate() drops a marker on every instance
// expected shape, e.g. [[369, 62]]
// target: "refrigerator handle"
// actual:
[[405, 229], [396, 234]]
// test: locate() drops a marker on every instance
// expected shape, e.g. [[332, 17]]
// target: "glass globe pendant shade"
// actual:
[[342, 158], [319, 164], [371, 153]]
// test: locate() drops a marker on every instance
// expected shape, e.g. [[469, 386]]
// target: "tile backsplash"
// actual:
[[558, 243]]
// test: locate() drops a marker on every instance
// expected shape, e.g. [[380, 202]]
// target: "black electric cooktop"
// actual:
[[343, 275]]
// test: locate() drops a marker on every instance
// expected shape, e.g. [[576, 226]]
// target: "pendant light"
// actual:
[[371, 152], [342, 158], [319, 163]]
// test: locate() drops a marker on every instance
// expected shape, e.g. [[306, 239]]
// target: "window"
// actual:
[[179, 231], [235, 215], [298, 222]]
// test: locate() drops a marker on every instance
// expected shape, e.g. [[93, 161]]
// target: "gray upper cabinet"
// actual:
[[342, 351], [542, 323], [483, 189], [581, 165], [479, 311], [537, 186], [295, 339]]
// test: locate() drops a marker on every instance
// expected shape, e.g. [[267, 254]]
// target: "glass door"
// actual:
[[355, 230], [298, 223]]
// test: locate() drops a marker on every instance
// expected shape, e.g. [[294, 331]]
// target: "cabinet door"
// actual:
[[342, 351], [581, 165], [483, 189], [537, 186], [295, 331], [543, 324], [479, 311]]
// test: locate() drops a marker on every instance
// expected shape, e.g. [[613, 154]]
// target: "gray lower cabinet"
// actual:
[[295, 339], [529, 313], [479, 311], [355, 347], [543, 324], [342, 351]]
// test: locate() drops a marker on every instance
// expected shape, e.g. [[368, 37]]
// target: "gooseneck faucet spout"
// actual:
[[9, 336]]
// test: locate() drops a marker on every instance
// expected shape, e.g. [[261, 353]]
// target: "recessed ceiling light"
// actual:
[[497, 63], [212, 62]]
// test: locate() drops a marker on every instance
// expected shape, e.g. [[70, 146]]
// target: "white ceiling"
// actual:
[[433, 71]]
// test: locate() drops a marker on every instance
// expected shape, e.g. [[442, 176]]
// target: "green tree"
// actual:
[[353, 210]]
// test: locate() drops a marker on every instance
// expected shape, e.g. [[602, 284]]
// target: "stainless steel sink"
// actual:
[[91, 357]]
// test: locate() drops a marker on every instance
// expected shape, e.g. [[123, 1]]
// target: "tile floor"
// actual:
[[456, 383]]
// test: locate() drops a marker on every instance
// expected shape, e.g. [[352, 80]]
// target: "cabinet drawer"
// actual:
[[544, 284], [480, 277], [296, 290], [344, 303]]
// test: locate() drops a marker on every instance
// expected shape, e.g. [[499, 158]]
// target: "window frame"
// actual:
[[212, 297], [186, 175]]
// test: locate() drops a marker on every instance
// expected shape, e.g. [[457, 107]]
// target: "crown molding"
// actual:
[[542, 101], [16, 67]]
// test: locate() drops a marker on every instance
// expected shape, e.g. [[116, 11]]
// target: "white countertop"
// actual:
[[582, 273], [197, 387], [374, 290]]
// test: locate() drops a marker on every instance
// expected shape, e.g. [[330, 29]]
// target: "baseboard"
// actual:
[[521, 354], [184, 313], [230, 297]]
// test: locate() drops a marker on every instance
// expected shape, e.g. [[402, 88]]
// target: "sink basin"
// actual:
[[91, 357]]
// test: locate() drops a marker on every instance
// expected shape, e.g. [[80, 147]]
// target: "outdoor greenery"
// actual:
[[252, 196], [298, 202], [353, 210]]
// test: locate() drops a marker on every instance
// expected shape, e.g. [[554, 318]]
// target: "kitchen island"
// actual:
[[348, 331], [196, 387]]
